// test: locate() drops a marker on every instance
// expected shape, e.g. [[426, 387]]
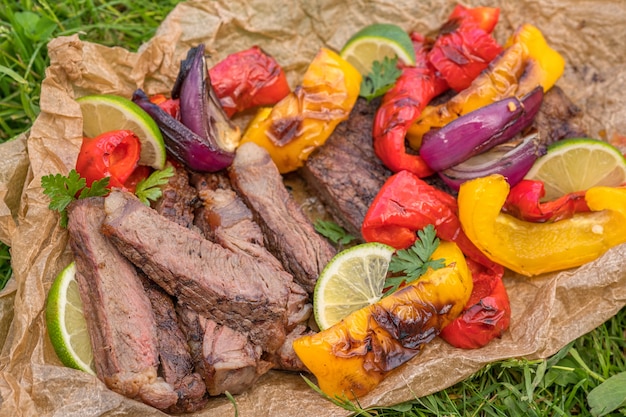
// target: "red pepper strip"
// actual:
[[486, 315], [406, 204], [401, 107], [248, 79], [463, 50], [485, 18], [524, 203], [169, 105], [112, 154]]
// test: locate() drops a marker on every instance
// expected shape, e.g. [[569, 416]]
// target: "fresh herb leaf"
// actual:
[[380, 79], [63, 190], [407, 265], [333, 231], [149, 188]]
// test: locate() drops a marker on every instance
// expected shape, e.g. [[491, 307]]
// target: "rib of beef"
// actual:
[[228, 287], [289, 234], [118, 312]]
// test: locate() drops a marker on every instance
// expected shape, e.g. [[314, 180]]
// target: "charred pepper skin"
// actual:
[[305, 118], [354, 356], [526, 62], [530, 248]]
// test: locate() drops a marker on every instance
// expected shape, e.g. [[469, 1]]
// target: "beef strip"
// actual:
[[118, 313], [288, 233], [345, 172], [177, 366], [230, 288], [558, 117], [224, 357], [178, 198]]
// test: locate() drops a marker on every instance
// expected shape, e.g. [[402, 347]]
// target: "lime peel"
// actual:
[[66, 323], [353, 279]]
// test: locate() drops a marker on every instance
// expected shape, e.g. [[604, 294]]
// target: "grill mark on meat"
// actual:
[[225, 358], [345, 172], [289, 234], [118, 312], [178, 198], [558, 117], [176, 364], [230, 288]]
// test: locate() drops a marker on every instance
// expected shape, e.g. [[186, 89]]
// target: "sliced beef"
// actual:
[[119, 315], [178, 198], [230, 288], [227, 360], [177, 367], [345, 172], [288, 233], [558, 117]]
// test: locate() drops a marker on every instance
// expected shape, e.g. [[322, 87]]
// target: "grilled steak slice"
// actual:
[[177, 367], [225, 358], [558, 117], [118, 312], [345, 172], [231, 288], [289, 234], [178, 198]]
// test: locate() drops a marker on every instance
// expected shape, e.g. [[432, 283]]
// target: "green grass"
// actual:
[[559, 386]]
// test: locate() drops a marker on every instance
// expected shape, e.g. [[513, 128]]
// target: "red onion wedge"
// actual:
[[190, 149], [479, 131], [512, 160]]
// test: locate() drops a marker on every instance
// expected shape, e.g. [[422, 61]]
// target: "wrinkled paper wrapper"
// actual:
[[548, 311]]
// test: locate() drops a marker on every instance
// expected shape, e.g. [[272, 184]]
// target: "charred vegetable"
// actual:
[[480, 130], [204, 139], [353, 356]]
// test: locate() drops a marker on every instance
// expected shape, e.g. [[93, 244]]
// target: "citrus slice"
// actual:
[[66, 322], [374, 43], [353, 279], [104, 112], [578, 164]]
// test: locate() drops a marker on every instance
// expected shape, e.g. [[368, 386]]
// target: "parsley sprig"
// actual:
[[332, 231], [407, 265], [150, 188], [380, 79], [62, 190]]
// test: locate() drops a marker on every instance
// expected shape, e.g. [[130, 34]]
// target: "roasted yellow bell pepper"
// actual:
[[527, 61], [303, 120], [534, 248], [352, 357]]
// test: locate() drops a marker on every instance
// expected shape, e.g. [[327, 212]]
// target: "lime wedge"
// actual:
[[66, 323], [374, 43], [103, 113], [578, 164], [353, 279]]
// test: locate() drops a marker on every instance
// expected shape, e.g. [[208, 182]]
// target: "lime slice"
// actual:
[[374, 43], [103, 113], [578, 164], [353, 279], [66, 323]]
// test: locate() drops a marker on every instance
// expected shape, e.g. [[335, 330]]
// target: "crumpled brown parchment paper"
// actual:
[[548, 311]]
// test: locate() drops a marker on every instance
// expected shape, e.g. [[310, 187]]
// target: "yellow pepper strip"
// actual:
[[527, 61], [303, 120], [352, 357], [535, 248]]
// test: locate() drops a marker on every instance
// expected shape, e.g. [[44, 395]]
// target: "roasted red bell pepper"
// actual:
[[524, 202], [401, 106], [170, 105], [464, 46], [486, 315], [248, 79], [113, 154]]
